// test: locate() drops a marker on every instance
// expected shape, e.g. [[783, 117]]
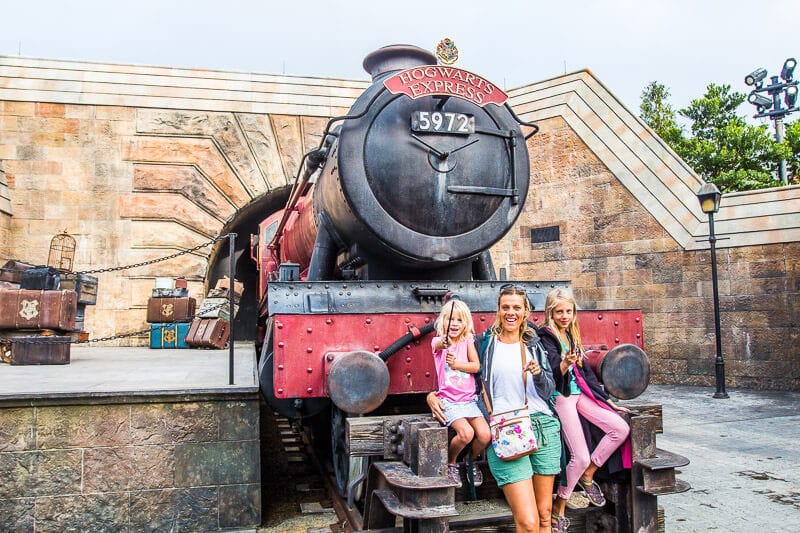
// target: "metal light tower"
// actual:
[[709, 197], [772, 108]]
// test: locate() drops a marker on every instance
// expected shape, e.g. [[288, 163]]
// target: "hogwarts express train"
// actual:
[[392, 214]]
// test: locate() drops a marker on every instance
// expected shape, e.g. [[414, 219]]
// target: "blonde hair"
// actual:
[[524, 327], [454, 306], [550, 303]]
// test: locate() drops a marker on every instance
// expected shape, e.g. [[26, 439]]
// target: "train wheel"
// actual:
[[344, 469]]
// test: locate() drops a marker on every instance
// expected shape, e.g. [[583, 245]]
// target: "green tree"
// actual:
[[659, 115], [792, 141], [723, 148]]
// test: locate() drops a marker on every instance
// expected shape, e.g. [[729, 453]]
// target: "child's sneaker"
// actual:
[[477, 475], [593, 492], [455, 476], [577, 500], [559, 524]]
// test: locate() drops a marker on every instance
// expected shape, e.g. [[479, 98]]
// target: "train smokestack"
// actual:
[[396, 57]]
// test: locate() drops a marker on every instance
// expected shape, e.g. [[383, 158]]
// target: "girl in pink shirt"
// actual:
[[456, 361]]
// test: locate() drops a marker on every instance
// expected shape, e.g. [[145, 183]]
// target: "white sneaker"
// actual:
[[578, 500]]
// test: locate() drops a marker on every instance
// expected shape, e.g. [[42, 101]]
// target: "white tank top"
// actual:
[[506, 386]]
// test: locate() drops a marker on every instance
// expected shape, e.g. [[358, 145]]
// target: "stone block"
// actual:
[[17, 430], [113, 469], [175, 423], [82, 426], [240, 506], [236, 420], [216, 463], [16, 514], [95, 512], [192, 509], [40, 473]]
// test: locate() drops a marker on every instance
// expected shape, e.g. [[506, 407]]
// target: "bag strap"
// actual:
[[524, 372]]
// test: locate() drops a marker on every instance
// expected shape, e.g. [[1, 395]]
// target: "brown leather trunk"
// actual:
[[208, 333], [170, 309], [12, 271], [38, 350], [30, 309]]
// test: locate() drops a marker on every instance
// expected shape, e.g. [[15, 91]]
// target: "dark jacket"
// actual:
[[553, 347], [614, 466]]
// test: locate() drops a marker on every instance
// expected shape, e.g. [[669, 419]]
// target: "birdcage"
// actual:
[[62, 252]]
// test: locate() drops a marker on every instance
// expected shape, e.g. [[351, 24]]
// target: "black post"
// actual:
[[231, 272], [719, 364]]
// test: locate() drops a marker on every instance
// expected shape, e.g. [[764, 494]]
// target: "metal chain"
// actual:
[[45, 340], [160, 259]]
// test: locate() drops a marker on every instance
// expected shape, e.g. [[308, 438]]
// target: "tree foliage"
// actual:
[[722, 147]]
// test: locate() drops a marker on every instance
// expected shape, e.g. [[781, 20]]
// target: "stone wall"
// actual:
[[160, 466], [617, 255], [142, 162]]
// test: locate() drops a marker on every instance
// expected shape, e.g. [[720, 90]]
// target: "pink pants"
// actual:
[[615, 428]]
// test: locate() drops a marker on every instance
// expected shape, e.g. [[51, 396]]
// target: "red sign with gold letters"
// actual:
[[436, 80]]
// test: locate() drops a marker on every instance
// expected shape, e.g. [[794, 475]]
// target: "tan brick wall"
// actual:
[[618, 256], [133, 185]]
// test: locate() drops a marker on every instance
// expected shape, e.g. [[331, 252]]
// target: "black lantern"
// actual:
[[709, 197]]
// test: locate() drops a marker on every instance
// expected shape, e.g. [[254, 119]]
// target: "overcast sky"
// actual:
[[684, 44]]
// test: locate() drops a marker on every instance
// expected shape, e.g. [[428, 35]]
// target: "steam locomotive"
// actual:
[[394, 212]]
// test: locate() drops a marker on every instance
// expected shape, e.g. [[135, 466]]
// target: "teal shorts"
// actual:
[[546, 461]]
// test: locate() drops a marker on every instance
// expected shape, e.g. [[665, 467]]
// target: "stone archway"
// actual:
[[198, 175], [244, 224]]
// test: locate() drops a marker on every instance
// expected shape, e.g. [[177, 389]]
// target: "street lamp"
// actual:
[[772, 108], [709, 197]]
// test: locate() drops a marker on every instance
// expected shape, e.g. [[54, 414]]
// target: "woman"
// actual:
[[579, 398], [527, 479]]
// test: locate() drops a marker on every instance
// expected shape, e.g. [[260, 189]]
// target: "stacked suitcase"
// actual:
[[211, 327], [41, 309], [169, 311]]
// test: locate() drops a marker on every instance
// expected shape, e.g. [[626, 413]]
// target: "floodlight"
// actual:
[[759, 100], [788, 69], [790, 96], [755, 76]]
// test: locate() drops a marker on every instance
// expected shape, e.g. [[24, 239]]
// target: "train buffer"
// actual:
[[416, 489]]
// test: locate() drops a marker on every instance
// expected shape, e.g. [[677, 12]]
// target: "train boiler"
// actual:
[[393, 213]]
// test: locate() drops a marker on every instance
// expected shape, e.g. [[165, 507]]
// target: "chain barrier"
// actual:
[[43, 338], [160, 259]]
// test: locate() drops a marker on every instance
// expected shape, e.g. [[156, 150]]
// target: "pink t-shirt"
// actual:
[[454, 385]]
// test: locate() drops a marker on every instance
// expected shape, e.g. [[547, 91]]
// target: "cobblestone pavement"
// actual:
[[745, 463]]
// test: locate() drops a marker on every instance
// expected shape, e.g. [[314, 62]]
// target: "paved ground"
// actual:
[[745, 463], [120, 370]]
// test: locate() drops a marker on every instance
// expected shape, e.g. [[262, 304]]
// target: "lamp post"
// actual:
[[771, 107], [709, 197]]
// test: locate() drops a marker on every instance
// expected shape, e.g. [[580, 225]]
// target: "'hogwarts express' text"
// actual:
[[446, 81]]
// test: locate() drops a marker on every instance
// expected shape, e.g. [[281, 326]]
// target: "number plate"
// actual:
[[442, 122]]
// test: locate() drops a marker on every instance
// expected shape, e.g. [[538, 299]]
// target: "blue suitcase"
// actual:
[[169, 335]]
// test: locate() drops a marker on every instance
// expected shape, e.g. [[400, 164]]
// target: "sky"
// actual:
[[683, 44]]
